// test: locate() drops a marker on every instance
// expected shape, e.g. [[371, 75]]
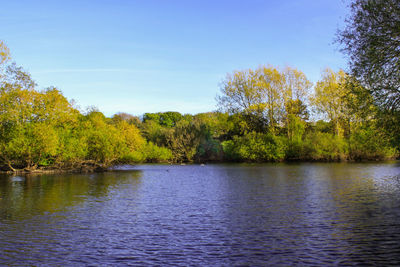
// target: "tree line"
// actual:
[[264, 114]]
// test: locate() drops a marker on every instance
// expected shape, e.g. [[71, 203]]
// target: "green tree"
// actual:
[[122, 116], [371, 39], [271, 85], [151, 117], [321, 146], [329, 98], [184, 140], [255, 147], [170, 118], [28, 118], [155, 133], [242, 92]]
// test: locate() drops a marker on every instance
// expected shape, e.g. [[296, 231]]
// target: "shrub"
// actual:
[[367, 143], [154, 153], [255, 147], [324, 146]]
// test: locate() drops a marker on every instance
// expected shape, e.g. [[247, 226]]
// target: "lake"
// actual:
[[221, 215]]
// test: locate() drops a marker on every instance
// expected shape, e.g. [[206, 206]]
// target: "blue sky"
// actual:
[[150, 56]]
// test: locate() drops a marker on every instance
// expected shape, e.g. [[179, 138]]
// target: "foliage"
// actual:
[[264, 116], [265, 97], [371, 40], [42, 128], [167, 119], [389, 124], [184, 140], [328, 98], [105, 143], [154, 132], [324, 147], [368, 143], [155, 153], [296, 128], [257, 147], [121, 116]]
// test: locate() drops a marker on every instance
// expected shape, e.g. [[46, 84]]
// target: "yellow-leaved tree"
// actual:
[[330, 99]]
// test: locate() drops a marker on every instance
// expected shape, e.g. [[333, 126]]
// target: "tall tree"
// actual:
[[371, 39], [244, 92], [271, 86], [329, 98], [240, 93], [295, 95]]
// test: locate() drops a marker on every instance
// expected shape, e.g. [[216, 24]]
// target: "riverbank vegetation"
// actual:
[[263, 114]]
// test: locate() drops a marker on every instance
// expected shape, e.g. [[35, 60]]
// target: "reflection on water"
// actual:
[[272, 214], [27, 196]]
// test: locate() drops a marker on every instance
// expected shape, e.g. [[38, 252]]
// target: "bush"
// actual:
[[155, 153], [325, 147], [255, 147], [295, 150], [369, 144]]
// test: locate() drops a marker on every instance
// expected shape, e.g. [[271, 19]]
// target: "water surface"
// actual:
[[223, 215]]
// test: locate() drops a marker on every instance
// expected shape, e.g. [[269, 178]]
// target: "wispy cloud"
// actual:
[[128, 70], [85, 70]]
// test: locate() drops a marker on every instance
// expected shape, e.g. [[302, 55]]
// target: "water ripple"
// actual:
[[223, 215]]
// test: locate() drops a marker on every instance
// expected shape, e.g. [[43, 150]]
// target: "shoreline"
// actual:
[[98, 168], [82, 168]]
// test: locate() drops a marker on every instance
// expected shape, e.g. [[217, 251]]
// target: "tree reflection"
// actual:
[[25, 196]]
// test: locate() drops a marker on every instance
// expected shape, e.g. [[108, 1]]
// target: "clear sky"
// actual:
[[165, 55]]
